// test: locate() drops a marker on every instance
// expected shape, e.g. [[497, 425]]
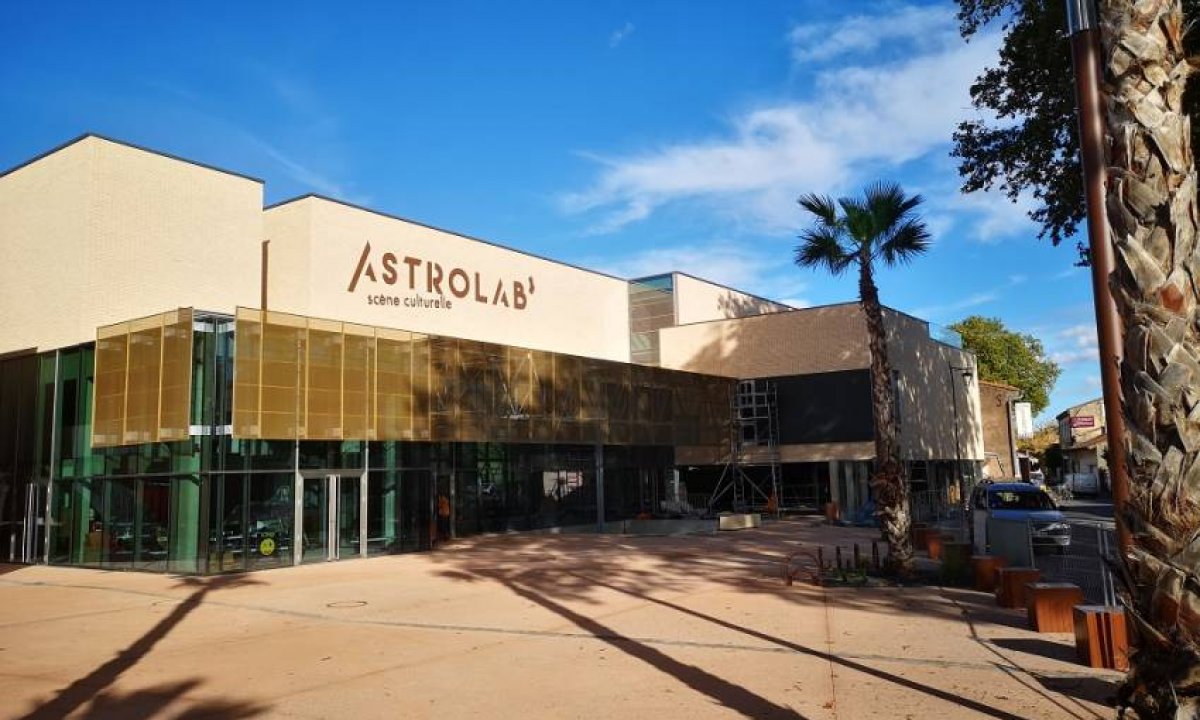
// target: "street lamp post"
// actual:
[[966, 374], [1083, 28]]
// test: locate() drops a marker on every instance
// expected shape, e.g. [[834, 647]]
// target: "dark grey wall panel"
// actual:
[[825, 407]]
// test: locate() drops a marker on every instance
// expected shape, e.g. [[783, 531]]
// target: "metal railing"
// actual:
[[1083, 562]]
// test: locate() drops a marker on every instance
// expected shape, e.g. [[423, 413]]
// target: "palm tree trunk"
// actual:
[[891, 489], [1153, 221]]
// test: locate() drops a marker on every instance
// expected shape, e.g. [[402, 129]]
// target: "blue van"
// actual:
[[1020, 501]]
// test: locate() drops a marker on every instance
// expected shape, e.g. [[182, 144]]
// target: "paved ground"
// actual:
[[529, 626], [1091, 510]]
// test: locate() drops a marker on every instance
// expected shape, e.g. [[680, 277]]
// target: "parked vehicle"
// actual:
[[1019, 501]]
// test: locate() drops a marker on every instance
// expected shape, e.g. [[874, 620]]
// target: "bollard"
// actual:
[[821, 557], [839, 557], [875, 554]]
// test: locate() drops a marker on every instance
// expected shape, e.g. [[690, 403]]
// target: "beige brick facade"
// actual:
[[795, 342], [699, 300], [99, 232], [998, 437], [938, 384], [488, 292]]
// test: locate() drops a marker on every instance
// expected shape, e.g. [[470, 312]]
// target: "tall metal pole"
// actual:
[[1083, 27], [958, 473]]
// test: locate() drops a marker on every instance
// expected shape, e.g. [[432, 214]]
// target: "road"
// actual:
[[1090, 510]]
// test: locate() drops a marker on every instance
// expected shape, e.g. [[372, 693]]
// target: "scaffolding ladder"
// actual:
[[753, 442]]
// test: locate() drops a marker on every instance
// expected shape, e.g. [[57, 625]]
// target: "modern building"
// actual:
[[193, 382]]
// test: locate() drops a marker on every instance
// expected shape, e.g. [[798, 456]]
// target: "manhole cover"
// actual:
[[346, 604]]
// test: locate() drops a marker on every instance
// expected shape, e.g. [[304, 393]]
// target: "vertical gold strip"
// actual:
[[125, 397], [162, 342]]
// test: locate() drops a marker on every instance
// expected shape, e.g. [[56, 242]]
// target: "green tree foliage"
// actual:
[[1026, 140], [1010, 357]]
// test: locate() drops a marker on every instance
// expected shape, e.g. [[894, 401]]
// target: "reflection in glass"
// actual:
[[152, 542], [314, 540], [349, 530], [383, 512], [269, 517]]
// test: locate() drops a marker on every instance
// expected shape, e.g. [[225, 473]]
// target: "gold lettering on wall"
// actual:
[[428, 289]]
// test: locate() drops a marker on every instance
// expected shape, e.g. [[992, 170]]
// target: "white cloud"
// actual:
[[720, 261], [990, 216], [982, 297], [1075, 344], [857, 34], [933, 312], [724, 263], [1070, 357], [619, 35], [302, 174], [859, 120]]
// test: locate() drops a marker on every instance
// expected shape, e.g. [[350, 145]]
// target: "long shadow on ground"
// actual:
[[107, 703]]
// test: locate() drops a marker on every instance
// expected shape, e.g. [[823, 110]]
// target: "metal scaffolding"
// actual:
[[753, 442]]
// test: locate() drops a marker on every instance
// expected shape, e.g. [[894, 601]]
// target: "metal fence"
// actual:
[[933, 508], [1083, 561]]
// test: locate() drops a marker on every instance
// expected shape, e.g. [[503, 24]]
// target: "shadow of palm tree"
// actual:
[[546, 571], [91, 688], [734, 697], [151, 701]]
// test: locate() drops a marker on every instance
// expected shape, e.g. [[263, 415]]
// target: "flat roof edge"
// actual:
[[133, 146]]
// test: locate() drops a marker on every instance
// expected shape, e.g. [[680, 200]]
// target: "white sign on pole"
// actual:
[[1024, 419]]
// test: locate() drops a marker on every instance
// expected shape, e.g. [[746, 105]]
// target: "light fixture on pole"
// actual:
[[967, 373]]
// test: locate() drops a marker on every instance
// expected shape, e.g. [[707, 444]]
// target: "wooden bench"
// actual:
[[1101, 638], [985, 567], [1010, 585], [1051, 605]]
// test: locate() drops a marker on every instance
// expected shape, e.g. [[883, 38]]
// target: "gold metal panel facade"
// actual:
[[143, 380], [350, 382]]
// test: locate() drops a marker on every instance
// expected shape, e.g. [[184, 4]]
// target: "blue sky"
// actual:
[[631, 137]]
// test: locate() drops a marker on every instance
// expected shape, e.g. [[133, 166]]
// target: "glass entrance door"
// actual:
[[349, 529], [332, 518], [314, 502]]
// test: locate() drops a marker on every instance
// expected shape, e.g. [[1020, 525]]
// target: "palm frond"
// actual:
[[889, 205], [908, 240], [821, 206], [858, 220], [821, 246]]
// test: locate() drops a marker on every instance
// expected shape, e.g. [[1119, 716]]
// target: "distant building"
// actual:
[[1082, 435], [996, 401]]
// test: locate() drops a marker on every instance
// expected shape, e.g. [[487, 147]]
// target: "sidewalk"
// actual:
[[533, 627]]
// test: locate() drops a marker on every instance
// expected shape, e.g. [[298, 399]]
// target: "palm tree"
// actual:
[[1152, 218], [880, 227]]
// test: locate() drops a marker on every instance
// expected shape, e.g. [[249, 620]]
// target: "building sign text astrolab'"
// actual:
[[431, 286]]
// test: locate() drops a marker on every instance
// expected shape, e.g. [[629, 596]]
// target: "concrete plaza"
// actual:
[[530, 626]]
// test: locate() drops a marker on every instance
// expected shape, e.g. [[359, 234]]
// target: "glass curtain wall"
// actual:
[[476, 438]]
